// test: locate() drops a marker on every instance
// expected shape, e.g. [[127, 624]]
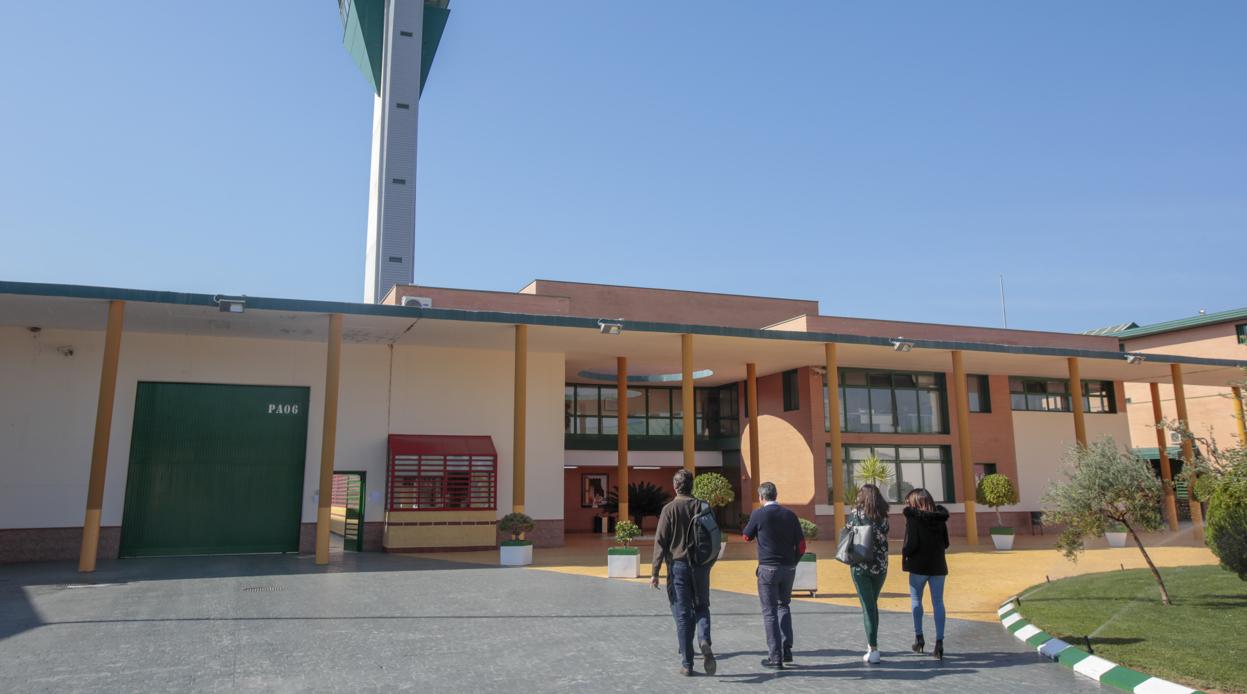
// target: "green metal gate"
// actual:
[[215, 469], [348, 495]]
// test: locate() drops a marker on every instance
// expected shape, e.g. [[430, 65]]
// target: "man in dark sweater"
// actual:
[[688, 586], [780, 545]]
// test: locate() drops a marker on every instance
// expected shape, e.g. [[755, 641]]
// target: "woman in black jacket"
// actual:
[[922, 555]]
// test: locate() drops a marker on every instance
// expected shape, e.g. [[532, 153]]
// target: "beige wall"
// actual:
[[1042, 440], [47, 411]]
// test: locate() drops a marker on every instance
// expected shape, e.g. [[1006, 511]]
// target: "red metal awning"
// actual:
[[444, 445]]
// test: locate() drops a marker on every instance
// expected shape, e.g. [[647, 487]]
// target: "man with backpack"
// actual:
[[688, 541]]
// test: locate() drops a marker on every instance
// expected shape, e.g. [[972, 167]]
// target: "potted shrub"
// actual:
[[807, 565], [624, 561], [1115, 533], [716, 490], [517, 551], [996, 491]]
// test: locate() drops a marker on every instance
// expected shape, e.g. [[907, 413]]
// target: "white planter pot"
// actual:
[[807, 577], [515, 555], [1116, 539], [623, 565], [1003, 542], [722, 549]]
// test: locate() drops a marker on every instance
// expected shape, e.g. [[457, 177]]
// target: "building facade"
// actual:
[[143, 423]]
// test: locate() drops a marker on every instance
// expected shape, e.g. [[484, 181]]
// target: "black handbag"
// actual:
[[857, 545]]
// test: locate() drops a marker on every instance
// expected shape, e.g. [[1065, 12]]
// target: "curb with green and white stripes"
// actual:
[[1080, 661]]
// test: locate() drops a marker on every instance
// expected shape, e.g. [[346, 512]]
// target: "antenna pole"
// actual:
[[1004, 311]]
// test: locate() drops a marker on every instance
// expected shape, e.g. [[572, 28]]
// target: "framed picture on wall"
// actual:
[[592, 491]]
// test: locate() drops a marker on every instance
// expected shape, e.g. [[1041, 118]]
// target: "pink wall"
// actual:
[[671, 306]]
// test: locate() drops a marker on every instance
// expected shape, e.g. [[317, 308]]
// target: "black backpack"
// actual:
[[704, 537]]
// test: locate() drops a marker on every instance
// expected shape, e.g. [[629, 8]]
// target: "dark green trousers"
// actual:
[[869, 586]]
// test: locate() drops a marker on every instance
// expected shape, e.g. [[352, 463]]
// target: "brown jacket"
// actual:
[[672, 540]]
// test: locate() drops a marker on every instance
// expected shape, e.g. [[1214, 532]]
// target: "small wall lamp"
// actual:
[[609, 327], [900, 345], [1135, 358]]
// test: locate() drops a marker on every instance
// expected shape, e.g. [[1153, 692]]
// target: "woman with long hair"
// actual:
[[922, 555], [871, 509]]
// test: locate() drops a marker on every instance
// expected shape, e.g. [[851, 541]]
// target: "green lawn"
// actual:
[[1200, 640]]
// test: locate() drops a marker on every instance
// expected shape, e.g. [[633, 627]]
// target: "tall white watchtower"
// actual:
[[393, 42]]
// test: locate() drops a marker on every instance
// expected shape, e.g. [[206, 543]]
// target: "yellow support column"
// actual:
[[1188, 448], [328, 437], [965, 456], [621, 384], [687, 402], [1166, 470], [837, 449], [519, 445], [99, 446], [1238, 415], [1075, 395], [755, 453]]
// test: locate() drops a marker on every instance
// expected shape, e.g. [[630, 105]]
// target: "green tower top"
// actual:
[[363, 35]]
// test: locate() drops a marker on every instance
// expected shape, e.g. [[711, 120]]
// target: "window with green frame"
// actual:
[[1241, 331], [1052, 395], [651, 411], [889, 402], [927, 467]]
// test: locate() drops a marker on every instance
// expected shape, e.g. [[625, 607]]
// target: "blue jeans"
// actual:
[[775, 592], [688, 589], [916, 584]]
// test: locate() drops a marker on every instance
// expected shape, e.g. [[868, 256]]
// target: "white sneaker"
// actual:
[[871, 658]]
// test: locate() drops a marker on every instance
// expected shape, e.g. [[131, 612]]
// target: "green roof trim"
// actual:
[[1111, 330], [70, 291], [1174, 452], [1237, 314]]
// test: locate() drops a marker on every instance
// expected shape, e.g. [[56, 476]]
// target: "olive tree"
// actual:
[[1104, 486]]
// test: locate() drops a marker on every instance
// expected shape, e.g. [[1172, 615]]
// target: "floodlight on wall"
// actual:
[[819, 370], [610, 327], [1135, 358], [900, 345], [231, 304]]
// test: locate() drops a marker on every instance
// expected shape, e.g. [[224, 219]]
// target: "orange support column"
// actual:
[[328, 437], [519, 427], [1188, 448], [621, 385], [837, 449], [99, 446], [962, 400], [687, 402], [1166, 470], [1075, 395], [1238, 415], [755, 454]]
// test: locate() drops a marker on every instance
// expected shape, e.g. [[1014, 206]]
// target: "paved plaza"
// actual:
[[372, 622]]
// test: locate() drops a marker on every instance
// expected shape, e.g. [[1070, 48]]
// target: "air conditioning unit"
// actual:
[[418, 301]]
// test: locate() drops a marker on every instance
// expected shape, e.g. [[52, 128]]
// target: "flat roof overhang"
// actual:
[[651, 348]]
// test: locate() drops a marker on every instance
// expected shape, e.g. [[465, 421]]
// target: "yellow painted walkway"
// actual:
[[980, 578]]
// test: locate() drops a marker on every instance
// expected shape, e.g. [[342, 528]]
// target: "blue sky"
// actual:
[[887, 159]]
